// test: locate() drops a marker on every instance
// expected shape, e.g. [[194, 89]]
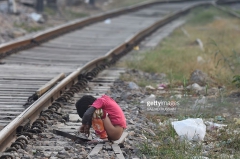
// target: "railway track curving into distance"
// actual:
[[41, 75]]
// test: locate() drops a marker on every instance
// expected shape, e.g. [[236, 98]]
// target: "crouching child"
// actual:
[[103, 114]]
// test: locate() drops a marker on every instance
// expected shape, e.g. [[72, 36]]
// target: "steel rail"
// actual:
[[8, 133], [28, 42]]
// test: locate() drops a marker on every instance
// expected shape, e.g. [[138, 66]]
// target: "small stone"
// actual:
[[15, 33], [47, 154], [133, 86]]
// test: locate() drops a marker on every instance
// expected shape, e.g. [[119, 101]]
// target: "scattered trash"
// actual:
[[200, 157], [196, 87], [177, 96], [200, 60], [12, 6], [200, 102], [199, 77], [107, 21], [219, 118], [191, 129], [133, 85], [226, 114], [200, 44], [150, 87], [185, 32], [150, 131], [213, 126], [136, 48], [162, 86], [150, 98], [237, 121], [37, 17]]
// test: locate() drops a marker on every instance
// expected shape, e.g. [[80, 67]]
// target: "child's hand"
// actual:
[[85, 129]]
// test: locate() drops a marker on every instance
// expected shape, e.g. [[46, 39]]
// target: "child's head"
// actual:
[[83, 104]]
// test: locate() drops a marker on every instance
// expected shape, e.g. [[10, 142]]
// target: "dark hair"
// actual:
[[83, 103]]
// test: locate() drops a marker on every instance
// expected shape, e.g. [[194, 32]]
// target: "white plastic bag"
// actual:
[[191, 129]]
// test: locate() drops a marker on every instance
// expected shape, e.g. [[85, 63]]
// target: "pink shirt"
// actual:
[[114, 111]]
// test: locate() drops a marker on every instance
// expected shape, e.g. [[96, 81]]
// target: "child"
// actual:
[[104, 114]]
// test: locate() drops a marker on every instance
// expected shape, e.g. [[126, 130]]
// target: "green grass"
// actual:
[[73, 14], [177, 55], [205, 15], [29, 28], [50, 11], [124, 3]]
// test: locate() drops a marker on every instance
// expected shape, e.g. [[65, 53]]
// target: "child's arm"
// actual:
[[87, 120], [87, 117]]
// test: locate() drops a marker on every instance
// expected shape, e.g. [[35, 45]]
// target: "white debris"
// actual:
[[200, 60], [150, 87], [200, 44], [191, 129], [201, 101], [196, 87], [36, 17], [150, 98], [212, 126], [200, 157], [12, 6], [107, 21]]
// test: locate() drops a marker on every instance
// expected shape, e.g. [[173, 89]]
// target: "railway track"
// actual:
[[66, 64]]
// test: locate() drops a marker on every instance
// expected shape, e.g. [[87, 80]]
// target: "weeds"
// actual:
[[236, 80], [178, 54], [28, 28]]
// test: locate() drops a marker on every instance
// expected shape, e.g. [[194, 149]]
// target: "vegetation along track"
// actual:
[[79, 55]]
